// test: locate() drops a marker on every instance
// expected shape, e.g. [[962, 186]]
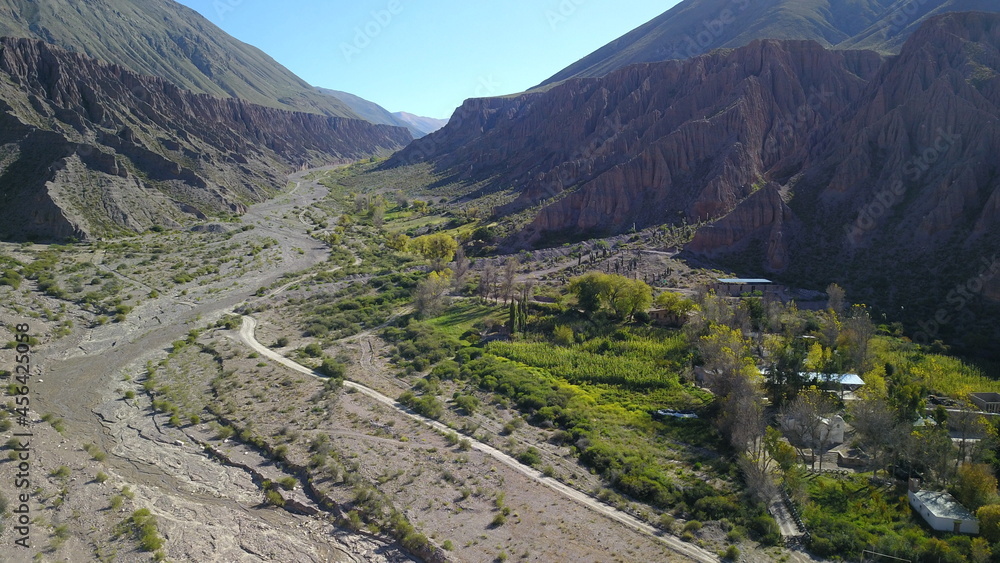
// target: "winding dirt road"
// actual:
[[691, 552]]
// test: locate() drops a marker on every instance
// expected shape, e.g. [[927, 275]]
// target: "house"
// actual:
[[666, 317], [737, 287], [987, 402], [943, 513], [842, 381], [827, 432]]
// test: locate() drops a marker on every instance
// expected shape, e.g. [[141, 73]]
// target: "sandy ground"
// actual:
[[205, 511]]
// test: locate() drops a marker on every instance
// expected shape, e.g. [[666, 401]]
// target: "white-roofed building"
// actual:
[[943, 513]]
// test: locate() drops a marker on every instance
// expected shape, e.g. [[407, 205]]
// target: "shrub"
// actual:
[[731, 553], [332, 368], [62, 472], [531, 457], [274, 498]]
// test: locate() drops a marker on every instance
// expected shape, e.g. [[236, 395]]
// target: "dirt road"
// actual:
[[691, 552]]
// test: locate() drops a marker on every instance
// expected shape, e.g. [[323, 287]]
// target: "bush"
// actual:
[[731, 553], [692, 526], [531, 457], [332, 368], [467, 403], [562, 335], [274, 498]]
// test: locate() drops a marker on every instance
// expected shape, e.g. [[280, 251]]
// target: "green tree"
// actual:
[[989, 522], [439, 248], [675, 303], [624, 296], [977, 486], [588, 289], [562, 335]]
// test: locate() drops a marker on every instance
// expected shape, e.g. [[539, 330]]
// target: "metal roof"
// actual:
[[745, 281], [841, 378], [943, 505]]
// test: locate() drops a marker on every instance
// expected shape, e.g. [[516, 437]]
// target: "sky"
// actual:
[[427, 57]]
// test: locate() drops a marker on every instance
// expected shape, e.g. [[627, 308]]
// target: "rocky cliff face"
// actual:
[[88, 148], [653, 143]]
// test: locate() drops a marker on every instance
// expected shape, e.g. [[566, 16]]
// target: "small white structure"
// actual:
[[827, 432], [846, 381], [943, 513]]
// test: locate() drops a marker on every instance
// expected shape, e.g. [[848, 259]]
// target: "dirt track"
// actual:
[[686, 550]]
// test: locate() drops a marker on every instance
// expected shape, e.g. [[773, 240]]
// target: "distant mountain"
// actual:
[[418, 126], [165, 39], [426, 125], [92, 149], [695, 27], [813, 165]]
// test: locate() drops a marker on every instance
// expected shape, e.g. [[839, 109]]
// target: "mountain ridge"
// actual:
[[695, 27], [93, 149], [166, 39], [368, 110]]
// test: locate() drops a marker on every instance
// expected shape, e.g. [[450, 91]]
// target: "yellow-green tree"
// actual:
[[622, 295], [675, 303], [439, 248], [989, 522], [397, 241], [977, 486]]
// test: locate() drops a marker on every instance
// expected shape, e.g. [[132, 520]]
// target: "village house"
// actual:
[[942, 512]]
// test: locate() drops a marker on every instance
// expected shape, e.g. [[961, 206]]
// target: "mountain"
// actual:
[[418, 126], [648, 144], [92, 149], [809, 164], [695, 27], [165, 39], [426, 125]]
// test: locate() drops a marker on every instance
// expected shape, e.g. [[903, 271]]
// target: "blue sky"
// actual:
[[427, 57]]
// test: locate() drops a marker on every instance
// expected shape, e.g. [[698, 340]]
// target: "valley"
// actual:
[[245, 318]]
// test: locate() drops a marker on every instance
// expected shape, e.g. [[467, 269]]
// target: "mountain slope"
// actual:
[[647, 144], [91, 149], [370, 111], [808, 164], [695, 27], [425, 125], [165, 39]]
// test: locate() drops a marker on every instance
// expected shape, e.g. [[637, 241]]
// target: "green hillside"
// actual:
[[163, 38]]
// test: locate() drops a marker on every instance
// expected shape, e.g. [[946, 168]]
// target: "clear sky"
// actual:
[[427, 57]]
